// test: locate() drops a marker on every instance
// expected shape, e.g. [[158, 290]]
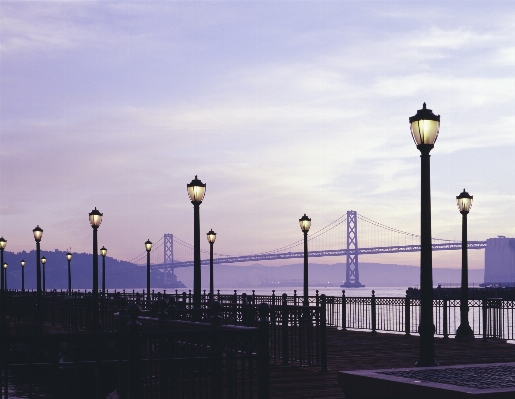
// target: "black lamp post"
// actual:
[[196, 191], [95, 218], [38, 234], [148, 248], [5, 277], [424, 128], [69, 259], [22, 263], [464, 332], [305, 224], [43, 262], [3, 243], [211, 237], [103, 252]]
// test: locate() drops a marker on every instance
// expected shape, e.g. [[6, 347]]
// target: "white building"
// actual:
[[500, 261]]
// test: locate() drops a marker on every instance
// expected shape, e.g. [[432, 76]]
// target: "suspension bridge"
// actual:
[[374, 238]]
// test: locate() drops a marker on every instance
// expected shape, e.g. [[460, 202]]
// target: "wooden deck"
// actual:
[[357, 350]]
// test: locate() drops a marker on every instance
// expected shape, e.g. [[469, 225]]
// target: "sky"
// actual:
[[281, 107]]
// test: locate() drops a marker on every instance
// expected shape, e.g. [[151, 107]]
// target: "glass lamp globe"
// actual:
[[148, 245], [211, 236], [424, 126], [196, 190], [464, 201], [305, 223], [38, 233], [95, 217]]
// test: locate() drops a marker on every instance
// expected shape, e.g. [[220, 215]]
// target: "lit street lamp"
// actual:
[[3, 243], [211, 237], [22, 263], [103, 252], [464, 332], [424, 128], [95, 218], [69, 259], [38, 234], [196, 191], [305, 224], [148, 248], [5, 277], [43, 262]]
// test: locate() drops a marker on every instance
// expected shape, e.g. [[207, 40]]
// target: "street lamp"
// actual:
[[5, 277], [148, 248], [69, 259], [211, 237], [103, 252], [424, 128], [95, 218], [38, 234], [3, 243], [196, 191], [22, 263], [43, 262], [464, 332], [305, 224]]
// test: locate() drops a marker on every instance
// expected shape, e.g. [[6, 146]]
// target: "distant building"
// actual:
[[500, 261]]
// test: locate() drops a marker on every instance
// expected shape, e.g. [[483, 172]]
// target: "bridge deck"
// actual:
[[356, 350]]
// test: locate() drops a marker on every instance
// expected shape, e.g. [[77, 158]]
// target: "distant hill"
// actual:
[[122, 274], [119, 274]]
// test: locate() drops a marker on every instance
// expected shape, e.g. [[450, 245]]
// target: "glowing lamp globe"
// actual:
[[424, 126], [305, 223], [69, 256], [103, 252], [148, 245], [3, 243], [38, 233], [464, 201], [211, 236], [43, 260], [95, 218], [196, 190], [22, 263]]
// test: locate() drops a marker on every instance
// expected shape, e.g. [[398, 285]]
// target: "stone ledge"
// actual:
[[442, 382]]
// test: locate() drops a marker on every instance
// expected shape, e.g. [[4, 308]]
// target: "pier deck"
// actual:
[[359, 350]]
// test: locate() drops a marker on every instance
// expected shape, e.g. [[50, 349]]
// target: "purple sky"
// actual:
[[282, 108]]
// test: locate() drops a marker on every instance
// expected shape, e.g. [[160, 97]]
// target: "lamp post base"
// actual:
[[464, 333]]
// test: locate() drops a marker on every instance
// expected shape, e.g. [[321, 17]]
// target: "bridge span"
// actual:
[[343, 229]]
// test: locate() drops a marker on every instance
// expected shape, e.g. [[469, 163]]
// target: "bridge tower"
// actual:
[[170, 277], [352, 269]]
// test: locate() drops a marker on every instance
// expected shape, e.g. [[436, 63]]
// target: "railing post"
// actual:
[[407, 314], [273, 297], [344, 310], [263, 352], [244, 316], [235, 307], [484, 317], [294, 297], [284, 331], [445, 317], [133, 328], [216, 352], [373, 311], [323, 332]]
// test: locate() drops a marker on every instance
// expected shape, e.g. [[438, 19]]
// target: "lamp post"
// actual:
[[196, 191], [22, 263], [95, 218], [43, 262], [148, 248], [103, 252], [5, 277], [3, 243], [424, 128], [38, 234], [69, 259], [211, 237], [464, 332], [305, 224]]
